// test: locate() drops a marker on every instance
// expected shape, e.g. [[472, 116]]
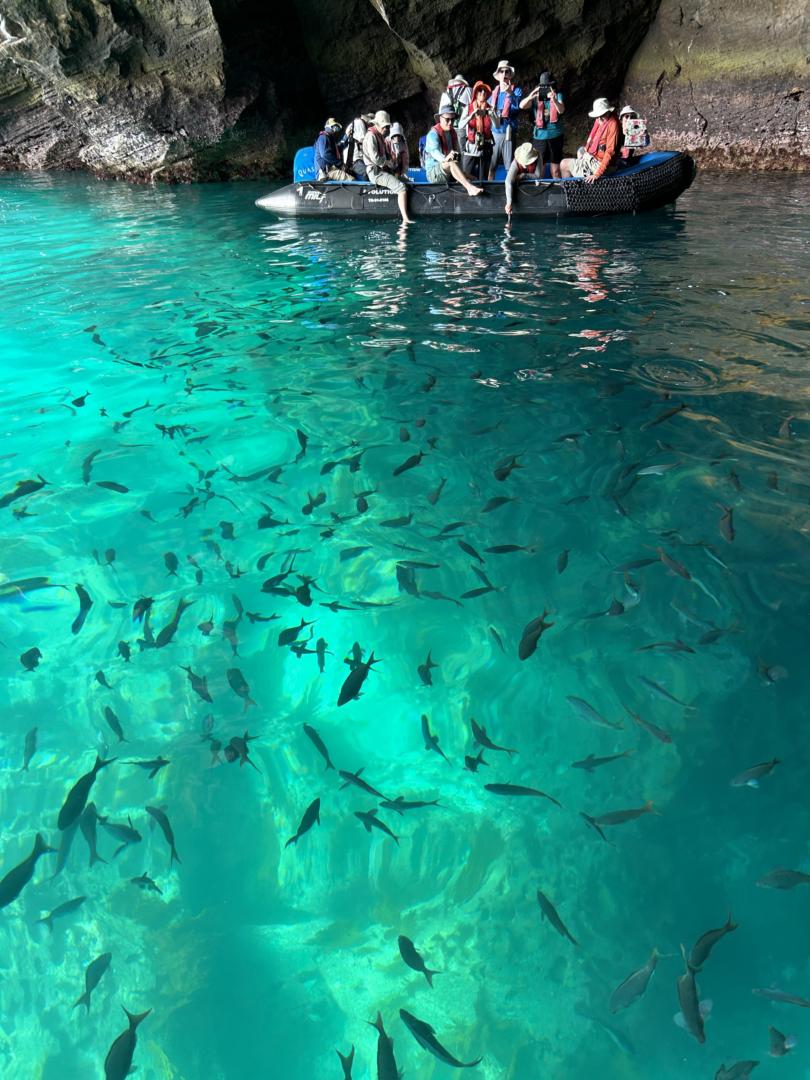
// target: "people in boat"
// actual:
[[548, 133], [477, 137], [328, 159], [379, 166], [505, 101], [457, 95], [398, 150], [524, 164], [601, 150], [353, 153], [635, 136], [442, 153]]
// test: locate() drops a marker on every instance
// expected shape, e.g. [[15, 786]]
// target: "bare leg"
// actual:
[[555, 171], [402, 199], [457, 174], [565, 168]]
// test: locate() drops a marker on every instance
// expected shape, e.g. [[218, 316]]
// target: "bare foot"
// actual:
[[408, 221]]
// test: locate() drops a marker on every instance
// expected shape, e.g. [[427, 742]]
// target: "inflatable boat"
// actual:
[[654, 180]]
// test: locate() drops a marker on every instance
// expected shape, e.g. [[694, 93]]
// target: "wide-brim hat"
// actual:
[[367, 117], [445, 110], [627, 110], [396, 129], [600, 107], [481, 85], [458, 79], [381, 119], [503, 65], [526, 155]]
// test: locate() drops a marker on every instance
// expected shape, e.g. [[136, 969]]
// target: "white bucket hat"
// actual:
[[458, 80], [503, 65], [628, 109], [381, 119], [600, 107], [526, 155], [396, 129]]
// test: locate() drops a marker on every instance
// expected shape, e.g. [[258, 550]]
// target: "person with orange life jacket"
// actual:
[[398, 150], [548, 133], [601, 150], [524, 165], [477, 134], [505, 101], [380, 167], [442, 153]]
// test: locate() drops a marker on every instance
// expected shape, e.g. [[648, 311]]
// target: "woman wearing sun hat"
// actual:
[[635, 136], [524, 164], [476, 133], [601, 150], [505, 100]]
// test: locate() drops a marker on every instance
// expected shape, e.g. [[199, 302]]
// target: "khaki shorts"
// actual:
[[389, 181], [336, 172], [585, 164]]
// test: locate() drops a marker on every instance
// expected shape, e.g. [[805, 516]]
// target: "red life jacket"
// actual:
[[540, 113], [507, 102], [526, 168], [596, 144], [478, 124], [448, 140], [382, 149]]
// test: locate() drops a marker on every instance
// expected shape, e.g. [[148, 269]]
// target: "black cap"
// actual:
[[546, 79]]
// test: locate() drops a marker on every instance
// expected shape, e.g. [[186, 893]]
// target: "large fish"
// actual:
[[784, 879], [752, 776], [412, 957], [353, 683], [772, 994], [371, 821], [311, 815], [386, 1062], [426, 1037], [634, 986], [92, 977], [170, 629], [740, 1070], [77, 796], [165, 827], [85, 603], [532, 632], [688, 999], [21, 489], [481, 737], [59, 912], [16, 879], [702, 948], [550, 913], [118, 1062], [589, 713], [519, 789], [319, 745], [620, 817], [88, 823]]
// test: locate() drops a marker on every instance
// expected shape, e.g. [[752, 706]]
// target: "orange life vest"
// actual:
[[448, 140]]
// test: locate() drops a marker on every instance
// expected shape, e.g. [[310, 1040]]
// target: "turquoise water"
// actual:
[[642, 373]]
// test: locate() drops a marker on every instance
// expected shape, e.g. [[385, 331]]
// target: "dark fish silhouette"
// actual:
[[319, 745], [433, 496], [92, 977], [165, 827], [505, 467], [401, 804], [145, 882], [62, 910], [101, 679], [118, 1062], [346, 1061], [550, 912], [77, 796], [140, 608], [288, 636], [170, 629], [620, 817], [532, 632], [424, 671], [21, 489], [112, 485], [590, 762], [780, 1044], [114, 723], [752, 776], [518, 789], [481, 737], [238, 747], [386, 1062], [634, 986], [238, 683], [154, 766], [371, 821], [431, 740], [16, 879], [199, 684], [30, 658], [171, 562], [740, 1070], [353, 683], [410, 954], [409, 463], [312, 814], [472, 764], [356, 780], [85, 603], [690, 1005], [784, 879], [30, 748], [702, 948], [126, 833], [426, 1037], [88, 823]]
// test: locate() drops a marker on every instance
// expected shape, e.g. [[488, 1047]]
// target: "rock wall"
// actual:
[[729, 81], [185, 89]]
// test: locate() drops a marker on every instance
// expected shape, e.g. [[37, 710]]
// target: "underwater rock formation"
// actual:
[[187, 89]]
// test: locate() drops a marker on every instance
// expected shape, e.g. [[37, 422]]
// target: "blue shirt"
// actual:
[[550, 131], [326, 152], [514, 109]]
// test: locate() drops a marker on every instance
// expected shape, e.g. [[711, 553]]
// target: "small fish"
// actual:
[[353, 553], [397, 522], [118, 1062], [199, 684], [504, 468], [690, 1005], [16, 879], [92, 977], [726, 523], [346, 1060], [495, 502], [63, 909], [590, 762], [424, 671], [431, 740], [433, 496], [409, 463], [772, 994], [140, 608], [780, 1044], [356, 780], [785, 430], [665, 415], [30, 748], [784, 879], [619, 817], [312, 814], [170, 629], [670, 646], [634, 986], [702, 948], [371, 821], [288, 636], [77, 796], [399, 805], [562, 560], [154, 766], [673, 565], [752, 776], [88, 823], [303, 442], [101, 679], [238, 748], [162, 819], [473, 764], [30, 658], [171, 562], [481, 737], [87, 465], [532, 632], [112, 485], [319, 745], [617, 1037], [239, 685], [550, 912], [146, 883], [114, 724], [663, 692], [426, 1037], [589, 713], [740, 1070], [649, 726], [507, 549], [353, 683], [85, 603], [126, 833], [410, 954], [519, 789]]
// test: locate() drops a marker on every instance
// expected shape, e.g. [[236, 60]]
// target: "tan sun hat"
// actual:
[[381, 119], [526, 155], [503, 65], [600, 107], [627, 110], [332, 123]]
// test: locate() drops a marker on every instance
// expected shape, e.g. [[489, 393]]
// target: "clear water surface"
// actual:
[[641, 373]]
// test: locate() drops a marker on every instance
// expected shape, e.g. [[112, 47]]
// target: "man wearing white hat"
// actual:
[[505, 100], [379, 166], [601, 150], [525, 164]]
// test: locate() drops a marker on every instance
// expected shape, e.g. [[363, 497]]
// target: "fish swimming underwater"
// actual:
[[77, 796], [412, 957], [702, 948], [550, 913], [17, 878], [386, 1062], [59, 912], [371, 821], [312, 814], [118, 1062], [319, 745], [165, 827], [92, 977], [634, 986], [353, 683], [426, 1037]]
